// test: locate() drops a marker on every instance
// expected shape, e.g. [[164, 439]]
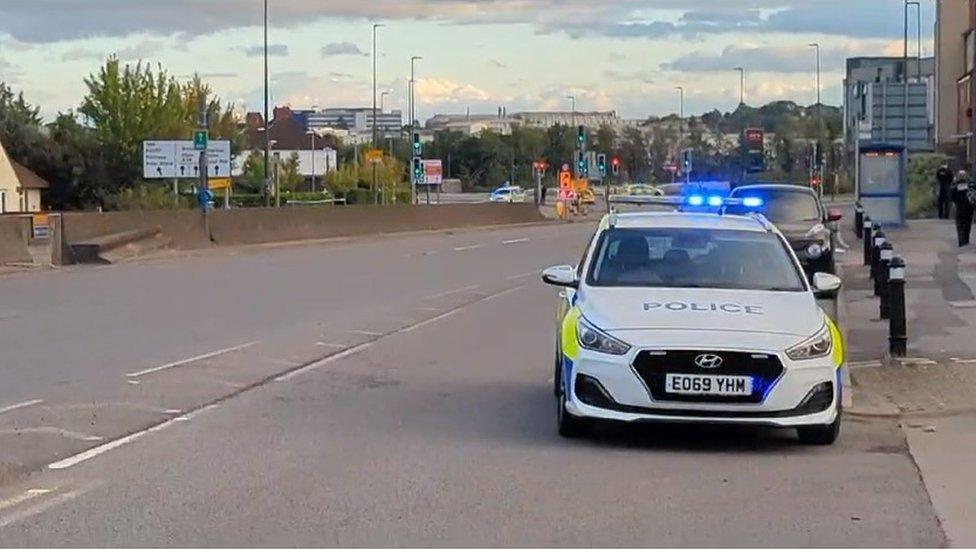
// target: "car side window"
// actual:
[[586, 252]]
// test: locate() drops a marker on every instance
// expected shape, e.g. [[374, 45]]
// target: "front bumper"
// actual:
[[785, 404]]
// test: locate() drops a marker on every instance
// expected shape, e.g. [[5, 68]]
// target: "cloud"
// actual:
[[341, 48], [274, 50], [785, 59], [146, 48], [79, 54], [215, 75], [496, 64], [342, 75], [443, 90]]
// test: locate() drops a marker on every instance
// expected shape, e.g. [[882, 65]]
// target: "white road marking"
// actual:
[[42, 507], [432, 309], [53, 431], [133, 382], [193, 359], [432, 252], [452, 292], [963, 304], [329, 359], [913, 361], [285, 362], [366, 332], [20, 405], [21, 498], [515, 241], [523, 275], [864, 364], [964, 360], [466, 248], [326, 344]]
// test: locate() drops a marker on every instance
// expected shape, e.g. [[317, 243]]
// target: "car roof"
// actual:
[[774, 187], [686, 220]]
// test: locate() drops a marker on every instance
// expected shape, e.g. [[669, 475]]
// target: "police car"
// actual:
[[695, 317]]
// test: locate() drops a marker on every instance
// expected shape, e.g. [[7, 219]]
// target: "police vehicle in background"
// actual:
[[695, 316], [508, 194], [801, 217]]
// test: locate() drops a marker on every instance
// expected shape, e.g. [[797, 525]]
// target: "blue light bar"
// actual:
[[752, 202], [715, 201], [696, 200]]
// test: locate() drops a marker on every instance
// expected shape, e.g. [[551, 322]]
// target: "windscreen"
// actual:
[[694, 258]]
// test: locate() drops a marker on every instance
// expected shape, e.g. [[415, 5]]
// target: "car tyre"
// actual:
[[820, 435], [570, 426]]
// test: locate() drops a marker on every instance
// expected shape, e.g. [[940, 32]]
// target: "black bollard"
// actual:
[[866, 233], [897, 325], [858, 219], [881, 283], [877, 241]]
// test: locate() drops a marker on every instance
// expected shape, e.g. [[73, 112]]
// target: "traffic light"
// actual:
[[418, 170], [418, 147], [581, 137], [582, 166], [686, 161], [616, 165], [601, 163]]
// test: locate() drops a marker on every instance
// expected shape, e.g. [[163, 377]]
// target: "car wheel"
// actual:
[[822, 435], [570, 426]]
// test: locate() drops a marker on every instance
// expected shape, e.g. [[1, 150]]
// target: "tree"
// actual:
[[633, 153], [606, 140], [289, 173]]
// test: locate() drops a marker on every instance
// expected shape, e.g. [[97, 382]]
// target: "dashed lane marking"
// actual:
[[466, 248], [192, 359], [452, 292], [366, 332], [515, 241], [20, 405], [326, 344]]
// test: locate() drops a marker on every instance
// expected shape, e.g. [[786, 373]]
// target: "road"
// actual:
[[389, 391]]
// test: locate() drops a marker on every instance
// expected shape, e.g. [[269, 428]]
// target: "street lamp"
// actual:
[[742, 85], [312, 133], [410, 100], [383, 101], [267, 114], [375, 26], [572, 98], [681, 115], [818, 160]]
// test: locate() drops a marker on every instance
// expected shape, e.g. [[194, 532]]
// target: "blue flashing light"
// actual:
[[715, 201], [752, 202], [696, 200]]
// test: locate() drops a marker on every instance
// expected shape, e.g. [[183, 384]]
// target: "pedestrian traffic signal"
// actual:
[[582, 166], [581, 137], [601, 164], [418, 147], [615, 163], [418, 170]]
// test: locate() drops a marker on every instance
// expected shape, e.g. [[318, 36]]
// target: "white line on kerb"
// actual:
[[41, 507], [331, 358], [466, 248], [326, 344], [515, 241], [192, 359], [20, 405], [28, 495]]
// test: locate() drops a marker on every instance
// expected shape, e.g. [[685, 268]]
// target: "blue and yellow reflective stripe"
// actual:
[[570, 343], [838, 339]]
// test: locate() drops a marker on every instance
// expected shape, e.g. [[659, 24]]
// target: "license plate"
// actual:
[[685, 384]]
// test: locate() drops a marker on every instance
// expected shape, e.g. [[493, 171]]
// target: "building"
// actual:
[[470, 124], [952, 69], [875, 102], [358, 120], [288, 137], [20, 188], [543, 119], [317, 162]]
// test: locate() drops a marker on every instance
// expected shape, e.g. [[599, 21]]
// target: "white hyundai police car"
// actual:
[[695, 317]]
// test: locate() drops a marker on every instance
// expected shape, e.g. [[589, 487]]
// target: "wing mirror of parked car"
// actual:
[[825, 284], [561, 275]]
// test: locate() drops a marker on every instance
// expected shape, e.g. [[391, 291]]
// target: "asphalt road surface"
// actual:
[[390, 391]]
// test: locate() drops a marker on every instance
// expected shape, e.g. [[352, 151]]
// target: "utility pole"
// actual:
[[742, 85], [375, 189], [818, 152], [905, 73], [312, 133], [267, 115]]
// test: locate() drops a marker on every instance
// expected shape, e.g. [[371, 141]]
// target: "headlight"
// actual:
[[815, 250], [595, 340], [816, 346]]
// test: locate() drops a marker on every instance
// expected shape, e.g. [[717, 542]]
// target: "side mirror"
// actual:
[[825, 284], [834, 214], [562, 275]]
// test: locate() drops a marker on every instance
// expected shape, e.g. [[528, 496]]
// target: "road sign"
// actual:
[[670, 166], [433, 172], [200, 139], [181, 159], [219, 183], [565, 178], [374, 156], [159, 159]]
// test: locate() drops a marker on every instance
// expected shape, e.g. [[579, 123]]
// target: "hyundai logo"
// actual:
[[708, 361]]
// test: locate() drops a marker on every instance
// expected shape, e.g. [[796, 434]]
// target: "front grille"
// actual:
[[653, 366]]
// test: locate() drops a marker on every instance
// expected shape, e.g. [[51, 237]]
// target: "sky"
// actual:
[[622, 55]]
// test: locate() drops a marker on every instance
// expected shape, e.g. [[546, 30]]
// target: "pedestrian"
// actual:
[[944, 177], [544, 190], [964, 197]]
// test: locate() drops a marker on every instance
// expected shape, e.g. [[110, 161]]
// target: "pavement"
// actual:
[[930, 391], [387, 391]]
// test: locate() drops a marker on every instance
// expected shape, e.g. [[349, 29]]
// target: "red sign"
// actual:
[[670, 167]]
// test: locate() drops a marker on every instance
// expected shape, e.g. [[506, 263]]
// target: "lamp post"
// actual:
[[375, 190], [312, 133], [742, 85], [818, 161], [383, 101], [411, 99], [572, 98], [267, 114], [905, 74]]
